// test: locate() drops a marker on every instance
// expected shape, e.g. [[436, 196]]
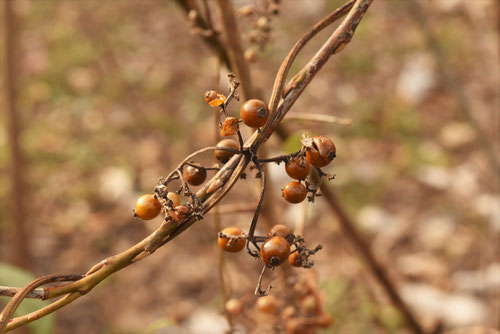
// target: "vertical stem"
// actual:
[[377, 269], [236, 54], [20, 254]]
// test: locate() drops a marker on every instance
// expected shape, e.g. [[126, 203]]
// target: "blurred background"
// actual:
[[105, 97]]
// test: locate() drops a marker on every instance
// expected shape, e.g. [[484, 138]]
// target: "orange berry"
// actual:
[[281, 230], [275, 251], [195, 175], [147, 207], [321, 153], [267, 304], [295, 192], [298, 168], [254, 113], [224, 156], [295, 259], [229, 244]]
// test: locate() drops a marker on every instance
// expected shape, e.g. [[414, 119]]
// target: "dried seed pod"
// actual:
[[229, 127], [321, 152]]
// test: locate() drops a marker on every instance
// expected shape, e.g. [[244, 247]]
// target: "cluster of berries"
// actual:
[[276, 247], [319, 152]]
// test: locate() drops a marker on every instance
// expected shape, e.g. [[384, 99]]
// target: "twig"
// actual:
[[318, 118], [236, 54], [12, 305], [349, 228], [10, 292], [337, 41], [212, 41]]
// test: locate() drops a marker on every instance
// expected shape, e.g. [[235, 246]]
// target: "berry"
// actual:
[[234, 307], [195, 175], [147, 207], [229, 244], [321, 153], [254, 113], [224, 156], [295, 192], [210, 95], [176, 201], [275, 251], [281, 230], [295, 259], [298, 168], [213, 98], [267, 304]]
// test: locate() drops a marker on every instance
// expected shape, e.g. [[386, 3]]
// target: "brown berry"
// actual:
[[195, 175], [267, 304], [230, 244], [210, 95], [295, 259], [281, 230], [224, 156], [275, 251], [254, 113], [147, 207], [295, 192], [176, 201], [322, 152], [298, 168]]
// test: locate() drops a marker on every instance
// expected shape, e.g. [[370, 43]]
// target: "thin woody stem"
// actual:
[[287, 63], [12, 305], [255, 218]]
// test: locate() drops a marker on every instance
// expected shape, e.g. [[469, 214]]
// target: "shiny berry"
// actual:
[[295, 192], [147, 207], [281, 230], [224, 156], [275, 251], [295, 259], [298, 168], [195, 175], [229, 244], [254, 113], [321, 153]]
